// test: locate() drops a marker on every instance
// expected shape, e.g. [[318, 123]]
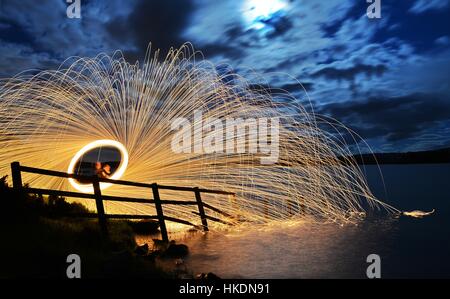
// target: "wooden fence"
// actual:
[[17, 170]]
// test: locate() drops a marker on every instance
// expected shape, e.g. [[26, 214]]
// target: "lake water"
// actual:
[[408, 247]]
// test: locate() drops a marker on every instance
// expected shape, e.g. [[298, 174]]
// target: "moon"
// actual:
[[257, 11]]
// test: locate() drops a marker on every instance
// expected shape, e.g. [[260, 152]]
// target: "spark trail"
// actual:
[[48, 117]]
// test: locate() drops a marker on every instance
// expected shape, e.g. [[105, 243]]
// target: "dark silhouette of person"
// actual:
[[106, 170], [98, 170], [102, 171]]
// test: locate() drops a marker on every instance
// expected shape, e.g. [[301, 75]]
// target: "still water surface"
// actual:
[[408, 247]]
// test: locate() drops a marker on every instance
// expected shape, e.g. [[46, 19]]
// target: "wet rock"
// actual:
[[116, 263], [185, 276], [179, 262], [176, 250], [159, 244], [152, 255], [121, 256], [144, 227], [142, 250], [207, 276]]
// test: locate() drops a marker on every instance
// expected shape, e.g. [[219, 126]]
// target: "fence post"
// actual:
[[159, 211], [16, 176], [100, 208], [201, 209]]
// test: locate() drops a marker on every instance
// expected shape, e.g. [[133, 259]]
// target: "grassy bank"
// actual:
[[36, 241]]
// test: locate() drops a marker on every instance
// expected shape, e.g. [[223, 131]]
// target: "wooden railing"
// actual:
[[17, 170]]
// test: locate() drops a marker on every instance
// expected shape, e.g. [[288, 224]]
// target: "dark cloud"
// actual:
[[279, 24], [234, 32], [421, 6], [297, 87], [320, 43], [417, 30], [158, 22], [210, 50], [350, 73], [292, 88], [12, 32], [393, 118], [223, 47]]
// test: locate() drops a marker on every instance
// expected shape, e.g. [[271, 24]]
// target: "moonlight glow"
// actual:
[[255, 12]]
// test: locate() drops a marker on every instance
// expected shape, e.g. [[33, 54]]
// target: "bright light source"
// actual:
[[256, 11], [51, 119], [87, 188]]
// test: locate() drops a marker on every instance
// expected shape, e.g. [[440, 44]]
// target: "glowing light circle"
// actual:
[[87, 188]]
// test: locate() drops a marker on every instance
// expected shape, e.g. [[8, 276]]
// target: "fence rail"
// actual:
[[18, 169]]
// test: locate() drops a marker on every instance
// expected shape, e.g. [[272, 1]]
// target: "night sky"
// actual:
[[387, 78]]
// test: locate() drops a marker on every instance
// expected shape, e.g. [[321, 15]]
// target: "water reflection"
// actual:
[[408, 247], [296, 251]]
